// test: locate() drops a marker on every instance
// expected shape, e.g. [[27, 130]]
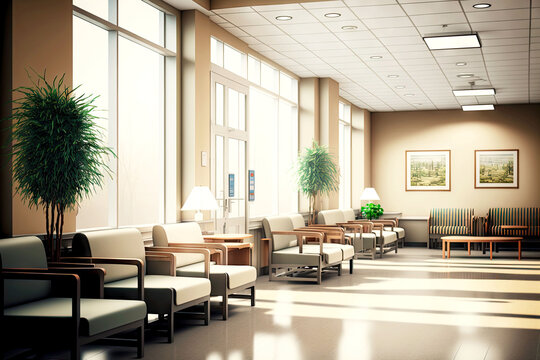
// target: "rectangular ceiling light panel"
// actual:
[[452, 42], [474, 92], [477, 107]]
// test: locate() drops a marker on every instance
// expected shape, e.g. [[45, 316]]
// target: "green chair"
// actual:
[[164, 292], [42, 306]]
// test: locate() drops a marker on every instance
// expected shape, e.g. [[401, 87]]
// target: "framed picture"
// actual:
[[496, 169], [427, 170]]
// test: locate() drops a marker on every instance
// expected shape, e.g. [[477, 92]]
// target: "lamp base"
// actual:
[[199, 216]]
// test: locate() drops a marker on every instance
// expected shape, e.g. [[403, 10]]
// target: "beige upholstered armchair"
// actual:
[[227, 280], [164, 292], [42, 304]]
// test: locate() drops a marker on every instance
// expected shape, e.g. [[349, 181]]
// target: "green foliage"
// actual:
[[58, 155], [372, 211], [317, 173]]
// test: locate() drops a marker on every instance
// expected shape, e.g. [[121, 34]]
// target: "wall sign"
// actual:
[[251, 185], [231, 185]]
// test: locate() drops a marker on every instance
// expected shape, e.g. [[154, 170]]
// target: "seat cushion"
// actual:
[[97, 315], [449, 230], [309, 257], [332, 254], [400, 231], [236, 275], [185, 289], [387, 236], [347, 251]]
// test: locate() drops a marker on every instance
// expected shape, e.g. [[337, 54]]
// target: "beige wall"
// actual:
[[41, 38], [508, 127]]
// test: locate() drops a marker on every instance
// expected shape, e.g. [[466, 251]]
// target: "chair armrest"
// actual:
[[116, 261], [390, 223], [67, 264], [301, 234], [330, 231], [352, 226], [215, 248], [160, 263], [186, 250], [70, 281], [92, 280]]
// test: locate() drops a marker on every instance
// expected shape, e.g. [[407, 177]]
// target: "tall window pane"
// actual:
[[287, 149], [91, 76], [345, 155], [143, 19], [269, 78], [254, 70], [140, 140], [288, 87], [234, 61], [96, 7], [216, 51]]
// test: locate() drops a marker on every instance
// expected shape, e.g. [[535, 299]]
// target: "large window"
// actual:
[[344, 155], [136, 109], [272, 125]]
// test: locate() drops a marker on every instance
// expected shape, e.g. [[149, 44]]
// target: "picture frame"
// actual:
[[428, 170], [496, 169]]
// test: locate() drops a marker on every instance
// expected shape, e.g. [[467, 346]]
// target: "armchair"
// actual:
[[227, 280], [164, 293], [42, 305]]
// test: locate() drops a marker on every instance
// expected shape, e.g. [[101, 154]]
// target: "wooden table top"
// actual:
[[226, 237], [481, 238]]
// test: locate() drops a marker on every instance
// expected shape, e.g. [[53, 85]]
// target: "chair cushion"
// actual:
[[330, 217], [400, 231], [449, 230], [97, 315], [279, 223], [116, 243], [331, 254], [185, 289], [292, 256], [347, 251], [23, 252], [387, 236], [237, 275]]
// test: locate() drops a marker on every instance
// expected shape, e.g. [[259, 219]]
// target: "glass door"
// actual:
[[229, 158]]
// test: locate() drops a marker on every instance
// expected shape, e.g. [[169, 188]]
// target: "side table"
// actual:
[[238, 251]]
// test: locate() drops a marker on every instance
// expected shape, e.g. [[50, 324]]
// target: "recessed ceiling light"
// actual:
[[443, 42], [393, 76], [349, 27], [375, 57], [332, 15], [481, 6], [477, 107], [283, 18], [465, 76], [400, 87], [408, 95], [461, 63], [474, 92]]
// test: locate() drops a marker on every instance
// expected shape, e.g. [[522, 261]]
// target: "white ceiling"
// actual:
[[312, 45]]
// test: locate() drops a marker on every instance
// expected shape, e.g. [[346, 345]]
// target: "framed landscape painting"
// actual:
[[427, 170], [496, 169]]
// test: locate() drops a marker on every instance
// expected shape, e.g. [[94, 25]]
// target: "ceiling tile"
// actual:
[[323, 4], [500, 25], [245, 19], [437, 29], [505, 34], [262, 30], [498, 15], [438, 19], [390, 32], [337, 26], [384, 23], [278, 7], [302, 29], [298, 16], [346, 14], [276, 39], [309, 38], [369, 2], [407, 48], [382, 11], [495, 5], [432, 8]]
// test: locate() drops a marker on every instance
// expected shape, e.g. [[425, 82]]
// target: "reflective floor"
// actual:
[[410, 305]]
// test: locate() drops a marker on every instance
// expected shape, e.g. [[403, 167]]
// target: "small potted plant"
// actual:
[[372, 211], [318, 175], [58, 153]]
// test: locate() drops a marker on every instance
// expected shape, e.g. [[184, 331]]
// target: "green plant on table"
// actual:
[[58, 155], [372, 211], [317, 174]]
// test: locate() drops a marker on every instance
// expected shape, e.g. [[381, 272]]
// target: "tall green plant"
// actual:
[[318, 175], [58, 155]]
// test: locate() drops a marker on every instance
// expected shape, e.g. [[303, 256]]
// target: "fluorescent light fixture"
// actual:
[[443, 42], [408, 95], [376, 57], [481, 6], [465, 76], [332, 15], [283, 18], [400, 87], [461, 63], [474, 92], [349, 27], [477, 107], [393, 76]]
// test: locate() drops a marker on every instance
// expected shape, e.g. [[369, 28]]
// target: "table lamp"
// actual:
[[200, 198], [371, 211], [370, 194]]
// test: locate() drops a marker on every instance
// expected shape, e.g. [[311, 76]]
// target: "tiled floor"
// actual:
[[410, 305]]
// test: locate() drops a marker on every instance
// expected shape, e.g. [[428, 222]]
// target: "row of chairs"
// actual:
[[109, 285]]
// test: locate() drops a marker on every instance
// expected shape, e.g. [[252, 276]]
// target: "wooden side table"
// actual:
[[238, 252]]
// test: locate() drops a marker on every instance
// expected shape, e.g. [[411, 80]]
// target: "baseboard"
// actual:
[[416, 244]]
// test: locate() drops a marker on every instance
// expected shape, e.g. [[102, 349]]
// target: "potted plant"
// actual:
[[372, 211], [318, 175], [58, 153]]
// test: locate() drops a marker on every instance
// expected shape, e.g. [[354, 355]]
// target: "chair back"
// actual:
[[187, 232], [297, 221], [23, 252], [348, 215], [279, 223], [330, 217], [514, 216], [451, 217], [116, 243]]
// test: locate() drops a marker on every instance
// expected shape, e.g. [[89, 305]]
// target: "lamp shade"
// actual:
[[200, 198], [369, 194]]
